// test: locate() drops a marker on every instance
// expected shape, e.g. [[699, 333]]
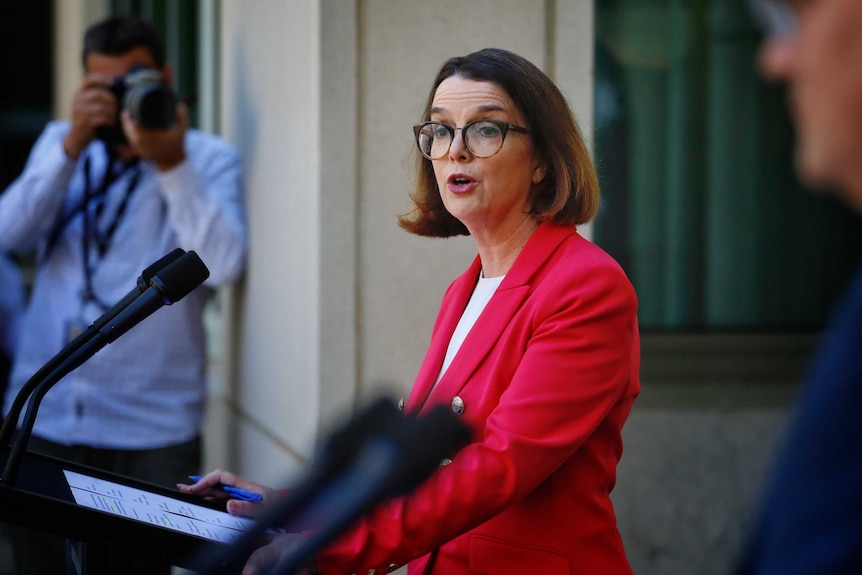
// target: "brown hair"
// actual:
[[569, 193]]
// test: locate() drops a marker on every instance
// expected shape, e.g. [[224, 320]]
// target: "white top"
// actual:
[[482, 293]]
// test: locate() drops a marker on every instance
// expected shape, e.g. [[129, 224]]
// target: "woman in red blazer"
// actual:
[[535, 346]]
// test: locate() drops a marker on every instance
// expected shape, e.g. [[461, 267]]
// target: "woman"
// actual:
[[535, 346]]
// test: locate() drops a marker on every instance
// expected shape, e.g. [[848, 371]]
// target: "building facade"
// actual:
[[338, 302]]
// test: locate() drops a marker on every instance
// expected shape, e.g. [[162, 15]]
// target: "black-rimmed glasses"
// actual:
[[482, 138]]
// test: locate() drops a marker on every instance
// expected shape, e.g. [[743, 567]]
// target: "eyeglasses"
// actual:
[[482, 138], [775, 18]]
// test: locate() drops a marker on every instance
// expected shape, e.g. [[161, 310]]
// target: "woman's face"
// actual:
[[488, 195]]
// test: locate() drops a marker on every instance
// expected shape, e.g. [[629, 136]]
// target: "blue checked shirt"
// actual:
[[147, 389]]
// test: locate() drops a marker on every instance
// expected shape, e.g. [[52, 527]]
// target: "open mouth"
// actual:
[[460, 180]]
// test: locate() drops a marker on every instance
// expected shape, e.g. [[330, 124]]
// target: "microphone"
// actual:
[[143, 281], [334, 455], [167, 286], [391, 459], [172, 283], [387, 466], [141, 284]]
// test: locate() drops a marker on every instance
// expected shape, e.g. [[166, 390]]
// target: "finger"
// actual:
[[97, 96], [214, 495], [97, 79], [218, 476], [244, 508], [99, 113], [208, 481], [94, 100]]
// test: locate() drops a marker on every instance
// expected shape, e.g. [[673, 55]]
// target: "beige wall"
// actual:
[[338, 303], [71, 18], [320, 95]]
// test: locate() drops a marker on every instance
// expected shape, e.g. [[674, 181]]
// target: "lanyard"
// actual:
[[102, 238]]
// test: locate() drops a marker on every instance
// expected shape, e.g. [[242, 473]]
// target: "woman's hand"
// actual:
[[209, 485], [278, 549]]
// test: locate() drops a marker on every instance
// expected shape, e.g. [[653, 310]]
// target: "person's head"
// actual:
[[113, 49], [119, 36], [815, 46], [541, 168]]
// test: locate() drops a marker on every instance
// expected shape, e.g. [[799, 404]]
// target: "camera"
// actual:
[[150, 102]]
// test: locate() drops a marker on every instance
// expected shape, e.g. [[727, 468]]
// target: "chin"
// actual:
[[812, 167]]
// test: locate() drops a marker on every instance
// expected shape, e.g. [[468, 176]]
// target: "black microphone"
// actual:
[[141, 284], [333, 457], [143, 281], [168, 286], [172, 283], [386, 467], [388, 461]]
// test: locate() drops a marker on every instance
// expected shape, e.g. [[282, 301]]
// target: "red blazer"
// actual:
[[546, 377]]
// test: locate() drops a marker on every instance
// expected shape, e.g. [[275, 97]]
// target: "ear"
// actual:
[[539, 173]]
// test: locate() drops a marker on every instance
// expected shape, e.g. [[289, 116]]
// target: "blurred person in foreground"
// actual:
[[810, 519], [535, 346], [101, 198]]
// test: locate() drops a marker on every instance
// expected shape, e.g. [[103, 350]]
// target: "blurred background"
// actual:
[[736, 266]]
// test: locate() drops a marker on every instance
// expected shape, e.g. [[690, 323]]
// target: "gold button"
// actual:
[[401, 404], [445, 462], [457, 405], [372, 572]]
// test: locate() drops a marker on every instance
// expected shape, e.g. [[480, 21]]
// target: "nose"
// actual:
[[458, 149], [776, 58]]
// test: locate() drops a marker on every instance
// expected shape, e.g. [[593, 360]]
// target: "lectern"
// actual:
[[103, 513], [106, 515]]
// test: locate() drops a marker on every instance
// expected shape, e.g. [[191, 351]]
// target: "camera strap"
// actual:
[[70, 215], [102, 237]]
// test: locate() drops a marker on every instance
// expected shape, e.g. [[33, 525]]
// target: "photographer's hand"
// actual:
[[93, 106], [165, 148]]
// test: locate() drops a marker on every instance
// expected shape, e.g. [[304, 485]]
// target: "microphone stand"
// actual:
[[8, 427], [169, 285], [19, 446]]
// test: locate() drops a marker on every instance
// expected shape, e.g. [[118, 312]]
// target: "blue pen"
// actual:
[[234, 492]]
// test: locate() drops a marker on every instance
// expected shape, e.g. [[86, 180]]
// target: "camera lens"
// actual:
[[153, 106]]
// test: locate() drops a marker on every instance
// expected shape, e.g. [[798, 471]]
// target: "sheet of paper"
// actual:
[[156, 509]]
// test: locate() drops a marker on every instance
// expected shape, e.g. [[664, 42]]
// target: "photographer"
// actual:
[[101, 198]]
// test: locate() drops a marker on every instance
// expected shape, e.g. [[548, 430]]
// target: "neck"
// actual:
[[498, 254]]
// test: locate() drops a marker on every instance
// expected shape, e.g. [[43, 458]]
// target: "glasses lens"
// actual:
[[433, 139], [483, 138]]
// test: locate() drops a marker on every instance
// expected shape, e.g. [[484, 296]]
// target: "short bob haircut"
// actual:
[[569, 193]]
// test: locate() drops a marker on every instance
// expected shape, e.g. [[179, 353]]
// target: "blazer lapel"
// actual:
[[450, 313], [491, 323]]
